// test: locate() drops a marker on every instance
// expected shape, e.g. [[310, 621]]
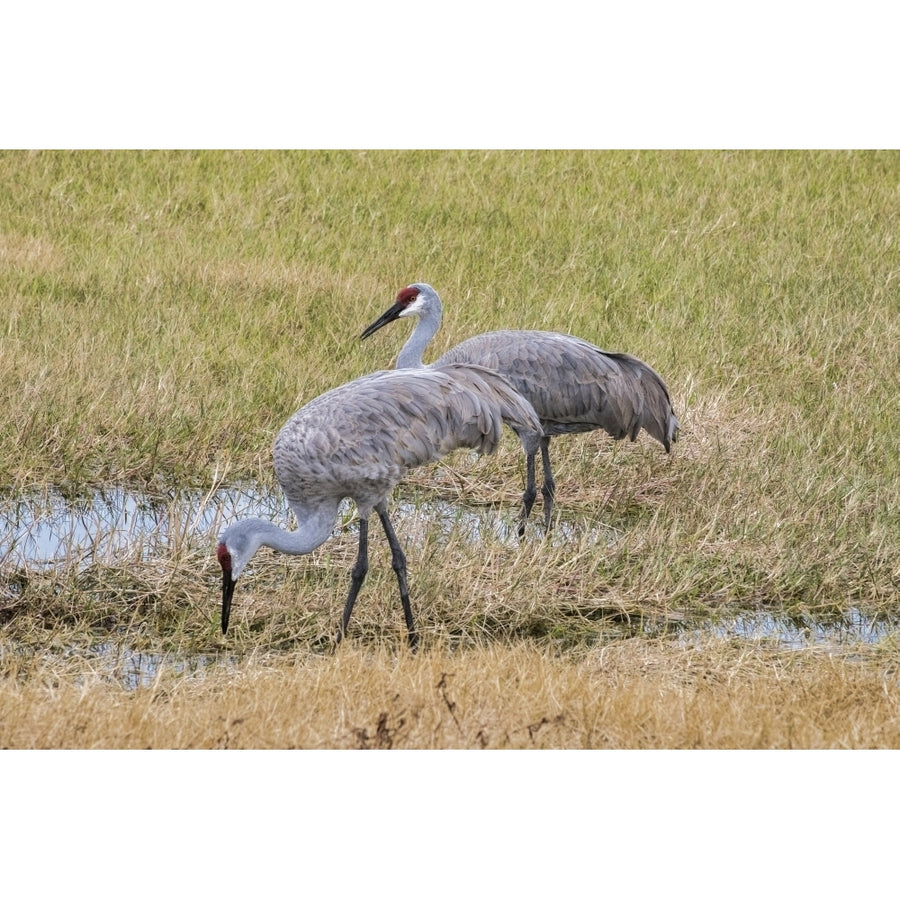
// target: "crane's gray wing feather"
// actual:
[[573, 385], [361, 438]]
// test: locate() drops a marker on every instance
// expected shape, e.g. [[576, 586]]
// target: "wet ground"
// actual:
[[47, 529], [133, 669], [112, 526]]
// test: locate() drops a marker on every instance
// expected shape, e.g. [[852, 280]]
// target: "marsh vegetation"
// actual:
[[164, 314]]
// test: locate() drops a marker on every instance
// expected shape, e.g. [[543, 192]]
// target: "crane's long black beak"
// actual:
[[383, 320], [227, 593]]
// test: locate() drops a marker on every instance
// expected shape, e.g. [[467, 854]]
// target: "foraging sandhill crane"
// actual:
[[573, 386], [359, 440]]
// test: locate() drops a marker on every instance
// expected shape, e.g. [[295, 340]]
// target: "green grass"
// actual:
[[166, 312]]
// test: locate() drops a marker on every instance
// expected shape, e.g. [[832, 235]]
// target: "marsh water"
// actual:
[[46, 529], [132, 668]]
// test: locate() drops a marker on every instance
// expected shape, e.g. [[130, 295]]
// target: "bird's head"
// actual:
[[236, 546], [414, 300]]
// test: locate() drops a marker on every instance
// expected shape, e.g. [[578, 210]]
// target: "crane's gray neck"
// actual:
[[428, 311], [245, 537], [303, 540]]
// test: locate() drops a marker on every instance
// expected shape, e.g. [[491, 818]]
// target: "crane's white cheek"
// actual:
[[414, 309]]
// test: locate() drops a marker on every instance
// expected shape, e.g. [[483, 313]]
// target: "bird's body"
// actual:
[[573, 386], [582, 388], [359, 440]]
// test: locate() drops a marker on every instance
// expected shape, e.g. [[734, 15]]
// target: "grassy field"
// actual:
[[166, 312]]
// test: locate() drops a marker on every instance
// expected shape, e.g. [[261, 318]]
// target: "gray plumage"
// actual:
[[573, 386], [359, 440]]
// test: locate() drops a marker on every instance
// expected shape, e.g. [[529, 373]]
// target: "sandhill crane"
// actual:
[[573, 386], [359, 440]]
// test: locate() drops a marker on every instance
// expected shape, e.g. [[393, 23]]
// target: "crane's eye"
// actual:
[[406, 296]]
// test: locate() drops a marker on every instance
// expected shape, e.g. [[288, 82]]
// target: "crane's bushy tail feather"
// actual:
[[657, 417], [515, 410]]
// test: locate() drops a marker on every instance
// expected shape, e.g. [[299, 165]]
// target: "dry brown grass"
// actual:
[[639, 694]]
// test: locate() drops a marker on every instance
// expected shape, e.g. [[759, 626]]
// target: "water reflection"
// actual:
[[477, 524], [46, 529], [792, 634], [135, 669]]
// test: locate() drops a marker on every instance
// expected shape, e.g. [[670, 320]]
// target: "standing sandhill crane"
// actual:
[[573, 386], [359, 440]]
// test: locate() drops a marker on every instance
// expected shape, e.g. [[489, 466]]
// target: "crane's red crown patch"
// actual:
[[407, 295], [224, 557]]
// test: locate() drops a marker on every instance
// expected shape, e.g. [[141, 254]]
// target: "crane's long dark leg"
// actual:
[[549, 487], [398, 561], [530, 494], [357, 576]]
